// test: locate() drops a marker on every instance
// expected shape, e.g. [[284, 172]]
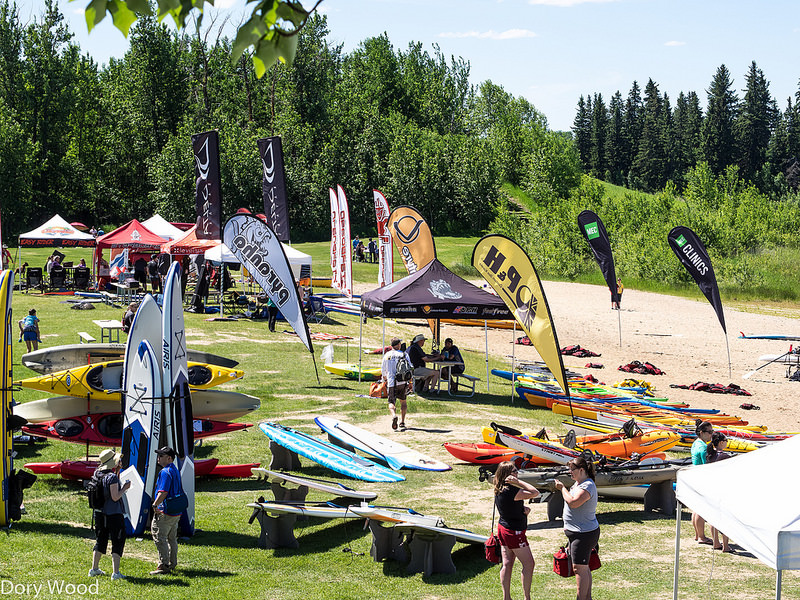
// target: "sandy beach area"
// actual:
[[680, 336]]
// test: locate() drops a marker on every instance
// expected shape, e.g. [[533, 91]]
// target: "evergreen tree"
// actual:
[[648, 166], [615, 143], [597, 160], [667, 135], [719, 142], [582, 132], [633, 126], [754, 124]]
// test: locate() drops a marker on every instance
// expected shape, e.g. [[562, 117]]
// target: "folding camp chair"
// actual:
[[315, 310], [58, 278], [80, 279], [33, 278]]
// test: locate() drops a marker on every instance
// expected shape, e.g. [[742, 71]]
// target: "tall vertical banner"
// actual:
[[334, 239], [345, 257], [208, 197], [385, 255], [507, 268], [260, 251], [595, 234], [694, 257], [413, 238], [273, 186]]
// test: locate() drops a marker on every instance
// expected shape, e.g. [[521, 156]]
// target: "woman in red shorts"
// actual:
[[509, 497]]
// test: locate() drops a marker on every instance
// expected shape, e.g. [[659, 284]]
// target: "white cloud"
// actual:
[[674, 43], [568, 3], [509, 34]]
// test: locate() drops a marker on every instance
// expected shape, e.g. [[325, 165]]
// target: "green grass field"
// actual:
[[53, 541]]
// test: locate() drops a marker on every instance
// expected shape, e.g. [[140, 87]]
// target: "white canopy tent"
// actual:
[[752, 499], [163, 228], [299, 261], [56, 233]]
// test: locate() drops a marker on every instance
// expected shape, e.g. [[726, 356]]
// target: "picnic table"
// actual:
[[109, 330]]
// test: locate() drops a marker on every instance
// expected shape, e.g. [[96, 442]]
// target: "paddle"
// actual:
[[781, 357], [393, 462]]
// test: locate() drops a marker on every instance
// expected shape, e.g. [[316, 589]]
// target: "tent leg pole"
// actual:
[[486, 351], [678, 511], [360, 337], [513, 359], [778, 584], [383, 335]]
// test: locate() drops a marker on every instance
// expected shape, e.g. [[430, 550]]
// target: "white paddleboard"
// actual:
[[396, 515], [331, 487], [462, 535], [309, 510], [784, 359], [395, 454], [140, 438]]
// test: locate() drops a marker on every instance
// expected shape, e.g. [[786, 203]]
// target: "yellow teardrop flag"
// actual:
[[506, 267]]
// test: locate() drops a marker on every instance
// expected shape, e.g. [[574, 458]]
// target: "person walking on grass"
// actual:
[[509, 498], [165, 525], [396, 390], [29, 330]]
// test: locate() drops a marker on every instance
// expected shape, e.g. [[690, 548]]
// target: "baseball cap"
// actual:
[[166, 450]]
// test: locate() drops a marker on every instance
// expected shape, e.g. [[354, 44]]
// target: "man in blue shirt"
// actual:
[[165, 526]]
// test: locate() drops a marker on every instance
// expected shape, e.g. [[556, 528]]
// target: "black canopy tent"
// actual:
[[434, 292]]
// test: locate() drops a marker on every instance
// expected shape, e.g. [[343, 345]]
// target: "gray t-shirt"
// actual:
[[582, 518]]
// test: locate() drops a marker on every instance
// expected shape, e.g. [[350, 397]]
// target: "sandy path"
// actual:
[[680, 336]]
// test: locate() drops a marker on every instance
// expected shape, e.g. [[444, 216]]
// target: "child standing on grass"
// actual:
[[29, 330]]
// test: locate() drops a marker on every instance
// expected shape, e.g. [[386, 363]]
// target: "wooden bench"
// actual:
[[469, 384], [86, 338]]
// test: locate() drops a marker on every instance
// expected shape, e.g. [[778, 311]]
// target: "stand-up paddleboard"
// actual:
[[6, 462], [328, 455], [105, 429], [395, 454], [140, 439], [396, 515], [321, 485], [788, 358], [104, 380], [178, 401], [461, 535], [59, 358], [219, 405], [322, 510], [771, 336]]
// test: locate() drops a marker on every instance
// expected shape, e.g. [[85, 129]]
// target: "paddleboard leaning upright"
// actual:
[[6, 287], [140, 438], [179, 432]]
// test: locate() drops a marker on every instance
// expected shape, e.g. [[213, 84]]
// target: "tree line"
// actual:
[[642, 142], [106, 144]]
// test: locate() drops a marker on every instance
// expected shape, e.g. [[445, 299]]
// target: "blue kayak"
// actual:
[[328, 455]]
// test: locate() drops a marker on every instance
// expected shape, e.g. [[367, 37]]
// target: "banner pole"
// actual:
[[314, 358], [513, 359], [728, 348]]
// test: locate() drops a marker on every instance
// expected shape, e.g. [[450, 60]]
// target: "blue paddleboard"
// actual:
[[328, 455]]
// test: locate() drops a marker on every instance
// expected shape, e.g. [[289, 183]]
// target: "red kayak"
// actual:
[[242, 471], [105, 429], [481, 454], [83, 469]]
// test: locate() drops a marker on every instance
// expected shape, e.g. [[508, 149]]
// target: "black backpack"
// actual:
[[96, 490], [404, 370]]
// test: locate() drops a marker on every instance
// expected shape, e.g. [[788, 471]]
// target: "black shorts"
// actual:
[[397, 392], [109, 527], [581, 545]]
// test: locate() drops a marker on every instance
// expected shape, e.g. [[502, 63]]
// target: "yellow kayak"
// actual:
[[103, 381], [351, 371]]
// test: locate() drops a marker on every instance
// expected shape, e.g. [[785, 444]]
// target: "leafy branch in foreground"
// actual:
[[271, 29]]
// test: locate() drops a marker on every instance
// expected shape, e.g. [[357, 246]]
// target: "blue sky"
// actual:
[[553, 51]]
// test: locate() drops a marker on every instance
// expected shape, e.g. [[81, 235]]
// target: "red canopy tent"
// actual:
[[134, 236], [188, 244]]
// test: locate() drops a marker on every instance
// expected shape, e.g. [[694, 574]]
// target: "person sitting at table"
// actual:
[[82, 263], [418, 358], [451, 353]]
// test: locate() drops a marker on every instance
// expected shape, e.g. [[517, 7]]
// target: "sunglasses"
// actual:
[[573, 467]]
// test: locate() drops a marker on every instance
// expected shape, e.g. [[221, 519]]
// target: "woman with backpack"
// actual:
[[109, 521]]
